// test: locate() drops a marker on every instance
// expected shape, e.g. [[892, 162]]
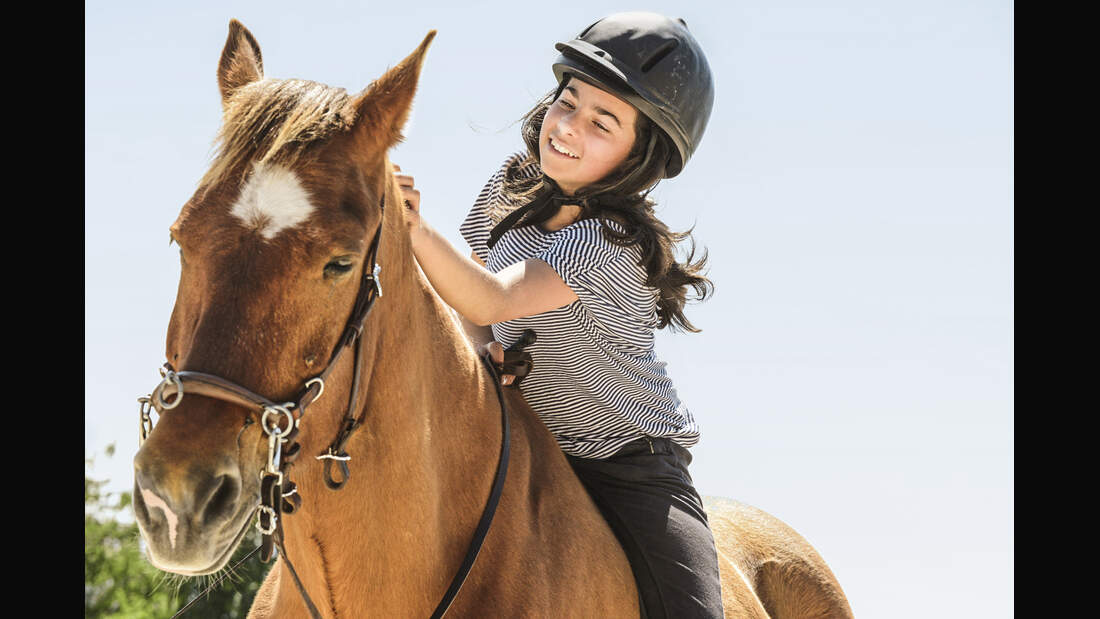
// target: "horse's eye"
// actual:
[[338, 267]]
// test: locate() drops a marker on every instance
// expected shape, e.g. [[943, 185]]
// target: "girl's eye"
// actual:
[[565, 104], [602, 128], [338, 267]]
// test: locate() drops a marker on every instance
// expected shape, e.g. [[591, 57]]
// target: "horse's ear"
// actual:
[[241, 61], [383, 107]]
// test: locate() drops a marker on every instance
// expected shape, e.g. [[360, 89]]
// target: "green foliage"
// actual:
[[120, 582]]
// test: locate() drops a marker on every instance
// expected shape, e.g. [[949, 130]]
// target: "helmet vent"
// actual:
[[659, 54]]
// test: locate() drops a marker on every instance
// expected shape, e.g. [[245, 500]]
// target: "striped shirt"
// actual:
[[597, 383]]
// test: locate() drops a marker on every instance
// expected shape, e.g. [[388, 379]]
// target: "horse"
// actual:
[[397, 434]]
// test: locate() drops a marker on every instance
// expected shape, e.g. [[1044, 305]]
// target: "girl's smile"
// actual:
[[563, 150]]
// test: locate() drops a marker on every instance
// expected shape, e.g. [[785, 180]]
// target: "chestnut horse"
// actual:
[[281, 235]]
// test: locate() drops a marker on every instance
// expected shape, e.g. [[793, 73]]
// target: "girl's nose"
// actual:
[[565, 124]]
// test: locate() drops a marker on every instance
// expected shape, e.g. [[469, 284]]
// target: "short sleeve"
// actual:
[[606, 277], [489, 207]]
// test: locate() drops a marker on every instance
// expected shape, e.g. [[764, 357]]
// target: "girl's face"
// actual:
[[594, 128]]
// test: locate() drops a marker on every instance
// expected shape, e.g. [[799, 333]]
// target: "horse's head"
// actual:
[[273, 245]]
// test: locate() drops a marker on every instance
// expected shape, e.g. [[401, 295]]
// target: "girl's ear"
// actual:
[[241, 62], [383, 107]]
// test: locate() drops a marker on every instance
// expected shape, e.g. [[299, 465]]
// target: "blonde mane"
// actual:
[[274, 121]]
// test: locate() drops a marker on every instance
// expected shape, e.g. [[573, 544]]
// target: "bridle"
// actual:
[[281, 422]]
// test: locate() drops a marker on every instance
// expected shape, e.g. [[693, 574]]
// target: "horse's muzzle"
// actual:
[[190, 516]]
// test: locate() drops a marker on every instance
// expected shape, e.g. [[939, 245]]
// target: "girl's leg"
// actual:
[[648, 498]]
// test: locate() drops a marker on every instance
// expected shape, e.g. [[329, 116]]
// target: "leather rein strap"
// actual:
[[490, 505], [277, 494]]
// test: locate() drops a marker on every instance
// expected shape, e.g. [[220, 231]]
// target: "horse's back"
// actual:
[[767, 568]]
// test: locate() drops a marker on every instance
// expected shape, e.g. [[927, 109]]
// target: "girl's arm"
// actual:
[[481, 297], [478, 295], [478, 334]]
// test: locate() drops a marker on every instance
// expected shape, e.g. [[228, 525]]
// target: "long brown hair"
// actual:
[[623, 197]]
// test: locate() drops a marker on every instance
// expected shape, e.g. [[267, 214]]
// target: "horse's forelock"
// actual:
[[275, 121]]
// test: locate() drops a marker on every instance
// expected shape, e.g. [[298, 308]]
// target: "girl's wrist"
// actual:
[[417, 233]]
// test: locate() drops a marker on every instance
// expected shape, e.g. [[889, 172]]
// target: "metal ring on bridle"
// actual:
[[283, 409], [169, 378], [274, 520]]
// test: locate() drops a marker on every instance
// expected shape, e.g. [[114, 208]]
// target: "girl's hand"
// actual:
[[412, 199], [496, 353], [513, 364]]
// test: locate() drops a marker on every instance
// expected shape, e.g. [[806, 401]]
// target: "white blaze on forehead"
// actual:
[[152, 500], [272, 200]]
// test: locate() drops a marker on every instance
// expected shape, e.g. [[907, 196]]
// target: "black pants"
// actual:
[[648, 498]]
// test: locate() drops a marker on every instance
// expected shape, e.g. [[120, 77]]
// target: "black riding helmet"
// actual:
[[653, 63], [649, 61]]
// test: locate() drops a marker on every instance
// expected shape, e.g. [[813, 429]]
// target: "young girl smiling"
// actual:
[[566, 243]]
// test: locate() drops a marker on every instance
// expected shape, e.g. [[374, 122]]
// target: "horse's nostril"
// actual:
[[223, 492], [138, 502]]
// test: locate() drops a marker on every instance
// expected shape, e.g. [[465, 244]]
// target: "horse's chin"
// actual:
[[194, 564]]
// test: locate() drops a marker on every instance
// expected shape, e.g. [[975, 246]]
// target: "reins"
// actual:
[[490, 505], [277, 493]]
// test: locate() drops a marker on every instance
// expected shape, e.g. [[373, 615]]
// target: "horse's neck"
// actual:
[[426, 366], [425, 454], [424, 362]]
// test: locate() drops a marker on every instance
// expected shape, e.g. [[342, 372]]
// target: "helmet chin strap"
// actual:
[[547, 201]]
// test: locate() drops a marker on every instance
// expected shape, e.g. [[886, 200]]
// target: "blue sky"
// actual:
[[854, 189]]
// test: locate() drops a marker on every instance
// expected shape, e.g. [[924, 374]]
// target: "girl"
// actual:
[[565, 242]]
